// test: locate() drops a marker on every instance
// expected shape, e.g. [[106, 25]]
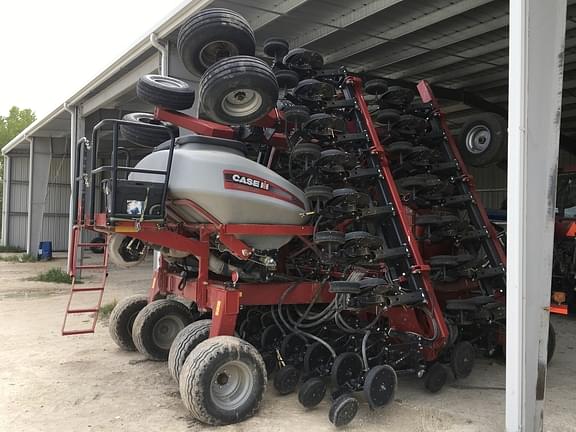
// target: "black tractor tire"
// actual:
[[207, 371], [276, 48], [98, 249], [122, 320], [238, 90], [551, 342], [435, 378], [286, 78], [286, 380], [211, 35], [166, 92], [343, 410], [144, 136], [188, 339], [483, 140], [376, 86], [157, 325]]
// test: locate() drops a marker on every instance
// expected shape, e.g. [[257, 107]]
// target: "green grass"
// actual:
[[10, 249], [55, 275], [106, 309], [19, 258]]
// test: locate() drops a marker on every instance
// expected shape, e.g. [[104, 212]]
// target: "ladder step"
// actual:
[[98, 245], [91, 267], [87, 289], [76, 332], [77, 311]]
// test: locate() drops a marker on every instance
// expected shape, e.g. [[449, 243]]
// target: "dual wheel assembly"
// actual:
[[222, 379]]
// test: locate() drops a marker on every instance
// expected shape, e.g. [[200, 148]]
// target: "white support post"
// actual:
[[7, 178], [38, 177], [537, 32]]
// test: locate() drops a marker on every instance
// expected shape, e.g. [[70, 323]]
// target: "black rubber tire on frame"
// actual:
[[98, 249], [164, 91], [497, 148], [216, 25], [143, 136], [435, 378], [228, 78], [145, 323], [551, 342], [122, 319], [198, 373], [188, 339]]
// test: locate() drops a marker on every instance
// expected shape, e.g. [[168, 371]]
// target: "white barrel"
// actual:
[[231, 187]]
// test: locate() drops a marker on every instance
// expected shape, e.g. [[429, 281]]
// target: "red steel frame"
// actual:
[[225, 298], [428, 97]]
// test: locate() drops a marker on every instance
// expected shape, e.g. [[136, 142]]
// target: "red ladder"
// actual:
[[79, 288]]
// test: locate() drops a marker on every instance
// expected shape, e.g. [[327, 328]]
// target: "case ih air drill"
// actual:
[[312, 227]]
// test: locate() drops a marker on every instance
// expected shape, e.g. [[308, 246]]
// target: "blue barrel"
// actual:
[[45, 251]]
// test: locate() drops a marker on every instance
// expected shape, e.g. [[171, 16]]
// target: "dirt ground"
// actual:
[[84, 383]]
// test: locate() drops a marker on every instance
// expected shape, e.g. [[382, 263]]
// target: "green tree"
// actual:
[[10, 126], [14, 123]]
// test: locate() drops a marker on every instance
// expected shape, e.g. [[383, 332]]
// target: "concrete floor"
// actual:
[[84, 383]]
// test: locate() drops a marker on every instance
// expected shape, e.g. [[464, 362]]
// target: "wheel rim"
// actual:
[[165, 330], [216, 50], [241, 102], [231, 385], [478, 139]]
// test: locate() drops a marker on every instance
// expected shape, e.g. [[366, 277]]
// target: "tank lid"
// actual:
[[206, 140]]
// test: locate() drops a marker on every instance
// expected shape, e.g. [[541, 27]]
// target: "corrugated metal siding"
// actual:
[[491, 183], [17, 213], [55, 223]]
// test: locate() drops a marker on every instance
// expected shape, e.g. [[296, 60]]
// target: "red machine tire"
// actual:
[[188, 339], [122, 320], [157, 325], [223, 381]]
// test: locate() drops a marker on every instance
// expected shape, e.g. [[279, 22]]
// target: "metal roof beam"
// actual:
[[451, 59], [479, 66], [402, 30], [493, 79], [458, 36], [280, 9], [338, 22], [119, 87]]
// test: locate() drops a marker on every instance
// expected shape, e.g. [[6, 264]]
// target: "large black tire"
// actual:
[[164, 91], [98, 249], [122, 320], [185, 342], [211, 35], [238, 90], [551, 342], [144, 136], [157, 325], [223, 381], [483, 140]]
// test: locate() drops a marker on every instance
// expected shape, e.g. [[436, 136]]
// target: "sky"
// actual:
[[52, 48]]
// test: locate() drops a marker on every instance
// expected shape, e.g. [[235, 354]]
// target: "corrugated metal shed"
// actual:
[[460, 46]]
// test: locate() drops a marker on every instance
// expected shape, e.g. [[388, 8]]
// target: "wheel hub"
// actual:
[[232, 384], [215, 51], [165, 330], [478, 139], [241, 102]]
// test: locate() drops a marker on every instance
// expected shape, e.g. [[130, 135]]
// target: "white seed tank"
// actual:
[[215, 174]]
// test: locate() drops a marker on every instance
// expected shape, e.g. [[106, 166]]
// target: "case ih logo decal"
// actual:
[[249, 183]]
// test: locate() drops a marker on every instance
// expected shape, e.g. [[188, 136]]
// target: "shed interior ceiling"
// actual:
[[457, 44]]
